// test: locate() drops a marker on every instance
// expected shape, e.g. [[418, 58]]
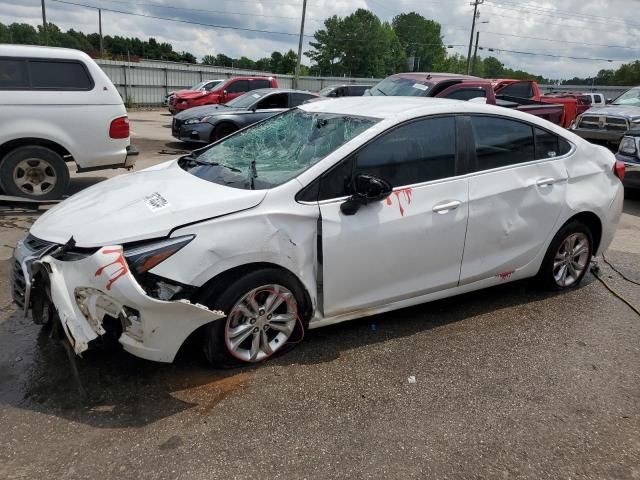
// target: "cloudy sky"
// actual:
[[592, 31]]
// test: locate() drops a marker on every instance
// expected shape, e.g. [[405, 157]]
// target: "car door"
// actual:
[[515, 196], [409, 244], [297, 98]]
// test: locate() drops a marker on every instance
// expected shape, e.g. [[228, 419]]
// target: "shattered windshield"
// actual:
[[399, 87], [276, 150], [246, 100], [631, 98]]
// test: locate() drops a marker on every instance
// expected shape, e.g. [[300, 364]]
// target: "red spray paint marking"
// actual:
[[505, 275], [404, 193], [120, 272]]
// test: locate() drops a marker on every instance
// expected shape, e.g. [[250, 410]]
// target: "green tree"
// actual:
[[287, 63], [493, 68], [420, 38], [244, 62], [208, 60]]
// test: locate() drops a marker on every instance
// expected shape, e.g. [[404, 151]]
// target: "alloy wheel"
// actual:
[[261, 322], [34, 176], [571, 259]]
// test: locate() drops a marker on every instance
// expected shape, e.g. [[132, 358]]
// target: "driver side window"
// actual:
[[278, 100], [416, 152]]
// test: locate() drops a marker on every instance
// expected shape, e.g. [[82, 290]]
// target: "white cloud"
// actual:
[[583, 24]]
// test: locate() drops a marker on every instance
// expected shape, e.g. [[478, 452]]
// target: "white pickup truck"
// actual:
[[57, 106]]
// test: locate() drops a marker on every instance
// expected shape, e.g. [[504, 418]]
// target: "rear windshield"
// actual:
[[276, 150], [401, 87]]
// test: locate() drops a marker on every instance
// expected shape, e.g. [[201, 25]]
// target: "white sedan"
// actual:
[[331, 211]]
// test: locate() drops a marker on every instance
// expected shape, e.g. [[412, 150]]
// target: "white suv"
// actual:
[[56, 105]]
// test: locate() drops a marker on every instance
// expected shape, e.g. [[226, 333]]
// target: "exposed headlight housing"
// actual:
[[143, 258], [628, 146]]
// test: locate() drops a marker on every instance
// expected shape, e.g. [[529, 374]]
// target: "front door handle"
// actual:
[[547, 182], [446, 207]]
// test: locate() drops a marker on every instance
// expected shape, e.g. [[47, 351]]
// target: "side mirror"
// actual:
[[225, 93], [609, 100], [368, 188]]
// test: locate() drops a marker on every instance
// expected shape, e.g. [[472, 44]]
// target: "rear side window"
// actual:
[[501, 142], [466, 94], [256, 84], [37, 74], [357, 90], [299, 98], [549, 145], [278, 100], [417, 152], [59, 75], [522, 90], [238, 86], [13, 74]]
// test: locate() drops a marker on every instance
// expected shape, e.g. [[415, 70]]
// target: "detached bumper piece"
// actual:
[[86, 291]]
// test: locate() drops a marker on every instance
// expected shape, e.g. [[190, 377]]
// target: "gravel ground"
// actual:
[[509, 383]]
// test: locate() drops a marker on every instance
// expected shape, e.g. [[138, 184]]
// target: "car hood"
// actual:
[[203, 111], [193, 94], [619, 110], [139, 206]]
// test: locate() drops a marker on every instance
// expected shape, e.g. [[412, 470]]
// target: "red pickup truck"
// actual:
[[221, 93], [465, 87]]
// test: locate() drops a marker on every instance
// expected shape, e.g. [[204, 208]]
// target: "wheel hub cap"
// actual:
[[261, 322], [571, 259], [34, 176]]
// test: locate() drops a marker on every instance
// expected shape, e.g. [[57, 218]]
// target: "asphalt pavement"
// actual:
[[510, 382]]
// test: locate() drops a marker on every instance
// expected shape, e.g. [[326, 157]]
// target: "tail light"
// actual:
[[119, 128], [618, 170]]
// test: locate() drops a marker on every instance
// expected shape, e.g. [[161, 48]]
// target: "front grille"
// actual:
[[594, 122], [175, 127], [30, 246], [18, 284]]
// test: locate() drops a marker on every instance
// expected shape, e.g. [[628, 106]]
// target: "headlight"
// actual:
[[143, 258], [191, 121], [628, 146]]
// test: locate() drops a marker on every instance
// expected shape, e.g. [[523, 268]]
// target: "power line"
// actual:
[[541, 54], [561, 41], [555, 11]]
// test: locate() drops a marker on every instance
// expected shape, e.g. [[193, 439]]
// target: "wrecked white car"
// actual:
[[324, 213]]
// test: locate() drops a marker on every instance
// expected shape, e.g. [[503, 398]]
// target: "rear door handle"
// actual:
[[547, 182], [446, 207]]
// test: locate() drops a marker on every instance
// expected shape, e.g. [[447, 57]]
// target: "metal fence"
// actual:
[[146, 83]]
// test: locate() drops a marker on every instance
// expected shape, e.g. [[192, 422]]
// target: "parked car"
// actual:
[[345, 90], [465, 87], [205, 86], [609, 123], [210, 123], [324, 213], [597, 99], [629, 154], [221, 93], [57, 106]]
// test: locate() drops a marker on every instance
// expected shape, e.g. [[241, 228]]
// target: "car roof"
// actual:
[[41, 52], [435, 77], [280, 90], [406, 108]]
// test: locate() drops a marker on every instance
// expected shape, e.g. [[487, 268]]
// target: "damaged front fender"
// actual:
[[85, 291]]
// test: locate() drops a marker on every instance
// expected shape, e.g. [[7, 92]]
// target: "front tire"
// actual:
[[265, 311], [567, 259], [34, 172]]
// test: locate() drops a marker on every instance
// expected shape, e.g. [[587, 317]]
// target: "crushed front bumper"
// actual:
[[85, 291]]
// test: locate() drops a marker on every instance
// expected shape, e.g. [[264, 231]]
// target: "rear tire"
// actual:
[[567, 259], [34, 172], [265, 316]]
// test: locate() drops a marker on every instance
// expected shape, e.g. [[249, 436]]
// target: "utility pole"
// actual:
[[475, 52], [297, 72], [100, 30], [44, 23], [473, 28]]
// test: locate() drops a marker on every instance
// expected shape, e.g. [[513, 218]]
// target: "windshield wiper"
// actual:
[[378, 89], [216, 164]]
